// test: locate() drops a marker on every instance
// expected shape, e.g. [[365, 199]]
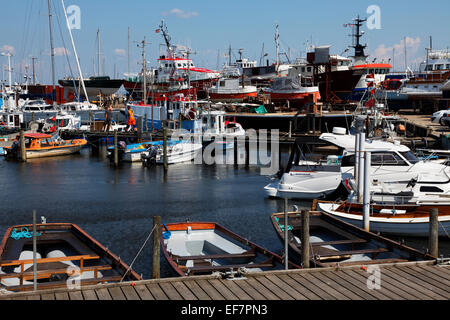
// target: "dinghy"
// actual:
[[62, 249], [334, 242], [194, 248]]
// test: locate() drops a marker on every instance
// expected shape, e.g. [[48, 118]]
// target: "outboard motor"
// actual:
[[149, 158]]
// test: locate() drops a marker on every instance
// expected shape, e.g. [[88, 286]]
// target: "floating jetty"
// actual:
[[400, 281]]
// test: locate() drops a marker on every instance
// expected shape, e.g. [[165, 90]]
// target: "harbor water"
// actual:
[[116, 205]]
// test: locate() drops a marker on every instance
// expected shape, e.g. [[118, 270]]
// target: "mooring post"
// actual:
[[156, 247], [433, 234], [286, 235], [23, 151], [116, 151], [34, 252], [290, 128], [165, 150], [235, 151], [305, 238], [247, 151], [146, 125], [362, 139], [366, 191]]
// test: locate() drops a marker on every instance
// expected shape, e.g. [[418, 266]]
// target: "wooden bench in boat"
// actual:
[[247, 254], [44, 274], [373, 251], [337, 242], [266, 264], [22, 263]]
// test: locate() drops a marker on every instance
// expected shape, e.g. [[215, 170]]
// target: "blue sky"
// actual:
[[209, 27]]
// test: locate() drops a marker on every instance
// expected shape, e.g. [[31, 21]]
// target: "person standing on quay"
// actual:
[[131, 121]]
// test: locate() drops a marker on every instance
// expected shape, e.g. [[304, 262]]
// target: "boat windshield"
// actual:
[[410, 157]]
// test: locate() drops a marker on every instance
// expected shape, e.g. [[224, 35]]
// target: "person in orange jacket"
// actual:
[[131, 121]]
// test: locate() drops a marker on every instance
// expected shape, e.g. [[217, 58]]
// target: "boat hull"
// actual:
[[62, 151], [394, 225], [231, 97]]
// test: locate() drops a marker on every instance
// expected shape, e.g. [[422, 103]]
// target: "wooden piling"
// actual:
[[34, 253], [23, 151], [305, 238], [433, 233], [156, 247], [286, 235], [247, 151], [235, 151], [146, 125], [116, 151], [165, 150]]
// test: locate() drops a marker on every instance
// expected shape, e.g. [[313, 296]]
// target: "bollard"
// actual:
[[433, 233], [116, 151], [156, 247], [305, 238], [23, 151]]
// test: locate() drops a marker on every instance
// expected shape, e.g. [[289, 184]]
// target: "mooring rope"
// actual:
[[140, 250]]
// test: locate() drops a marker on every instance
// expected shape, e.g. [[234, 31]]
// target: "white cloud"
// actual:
[[181, 13], [7, 49], [61, 51], [412, 52], [120, 52]]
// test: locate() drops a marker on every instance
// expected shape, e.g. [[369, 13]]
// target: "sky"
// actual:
[[209, 28]]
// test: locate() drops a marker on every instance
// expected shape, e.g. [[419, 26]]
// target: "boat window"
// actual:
[[377, 71], [371, 71], [44, 143], [387, 159], [348, 161], [308, 69], [430, 189], [410, 157], [429, 67], [222, 83], [448, 66], [303, 69]]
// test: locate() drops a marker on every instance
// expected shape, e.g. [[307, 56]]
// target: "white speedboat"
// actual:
[[179, 152], [307, 180]]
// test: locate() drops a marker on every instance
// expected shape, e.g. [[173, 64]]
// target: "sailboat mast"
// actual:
[[52, 52], [277, 47], [98, 52]]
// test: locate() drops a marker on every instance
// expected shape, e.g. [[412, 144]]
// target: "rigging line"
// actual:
[[142, 247]]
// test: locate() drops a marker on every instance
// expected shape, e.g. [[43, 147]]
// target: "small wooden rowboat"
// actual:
[[333, 242], [405, 220], [39, 145], [62, 248], [194, 248]]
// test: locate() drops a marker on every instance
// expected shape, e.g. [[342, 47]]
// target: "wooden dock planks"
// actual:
[[398, 281]]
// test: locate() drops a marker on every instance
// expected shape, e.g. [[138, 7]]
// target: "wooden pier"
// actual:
[[398, 281]]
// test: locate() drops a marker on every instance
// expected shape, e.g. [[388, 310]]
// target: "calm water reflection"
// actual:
[[116, 206]]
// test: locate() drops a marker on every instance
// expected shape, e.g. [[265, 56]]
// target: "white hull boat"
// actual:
[[403, 220]]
